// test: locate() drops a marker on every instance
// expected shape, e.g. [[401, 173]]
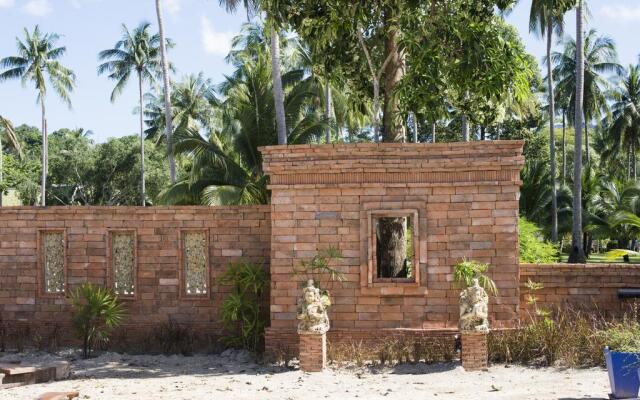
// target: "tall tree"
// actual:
[[623, 128], [38, 61], [6, 129], [252, 6], [599, 58], [167, 93], [138, 53], [577, 254], [545, 18]]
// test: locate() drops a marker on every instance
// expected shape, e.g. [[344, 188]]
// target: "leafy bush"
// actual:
[[96, 312], [320, 270], [623, 336], [175, 338], [242, 313], [533, 248], [468, 270]]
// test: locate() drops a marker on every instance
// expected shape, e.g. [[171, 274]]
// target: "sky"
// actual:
[[202, 32]]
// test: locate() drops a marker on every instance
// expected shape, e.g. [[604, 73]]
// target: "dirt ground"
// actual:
[[235, 375]]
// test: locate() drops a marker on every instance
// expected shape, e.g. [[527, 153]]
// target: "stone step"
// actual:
[[17, 374], [58, 396]]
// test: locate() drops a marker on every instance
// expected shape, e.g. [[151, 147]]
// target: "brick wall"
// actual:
[[592, 287], [464, 194], [234, 233]]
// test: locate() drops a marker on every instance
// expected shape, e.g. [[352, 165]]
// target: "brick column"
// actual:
[[312, 351], [474, 351]]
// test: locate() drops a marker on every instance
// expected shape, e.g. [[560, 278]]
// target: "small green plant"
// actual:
[[624, 335], [468, 270], [320, 270], [533, 248], [532, 300], [96, 312], [242, 314]]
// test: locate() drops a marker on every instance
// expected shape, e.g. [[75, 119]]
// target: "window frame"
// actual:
[[182, 276], [372, 263]]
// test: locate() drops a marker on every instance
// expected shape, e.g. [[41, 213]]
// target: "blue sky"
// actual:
[[202, 31]]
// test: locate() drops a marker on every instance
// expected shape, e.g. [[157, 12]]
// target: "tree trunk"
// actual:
[[45, 149], [414, 121], [633, 161], [433, 132], [142, 183], [391, 247], [278, 93], [577, 254], [168, 115], [465, 129], [552, 139], [483, 133], [392, 125], [587, 157], [564, 148], [327, 110]]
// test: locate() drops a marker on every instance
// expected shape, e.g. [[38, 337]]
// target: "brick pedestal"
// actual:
[[312, 351], [474, 351]]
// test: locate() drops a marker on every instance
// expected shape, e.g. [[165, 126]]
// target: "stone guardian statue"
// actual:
[[474, 309], [312, 312]]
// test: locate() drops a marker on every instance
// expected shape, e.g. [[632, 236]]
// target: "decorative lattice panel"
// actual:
[[53, 260], [195, 263], [123, 263]]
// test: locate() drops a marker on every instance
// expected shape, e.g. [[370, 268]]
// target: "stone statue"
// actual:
[[312, 312], [474, 309]]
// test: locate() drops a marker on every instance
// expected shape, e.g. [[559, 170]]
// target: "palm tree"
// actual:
[[193, 102], [167, 93], [138, 53], [546, 16], [624, 127], [577, 252], [6, 129], [37, 61], [226, 166], [251, 6], [600, 57]]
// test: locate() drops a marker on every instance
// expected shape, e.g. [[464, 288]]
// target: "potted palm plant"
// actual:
[[622, 356]]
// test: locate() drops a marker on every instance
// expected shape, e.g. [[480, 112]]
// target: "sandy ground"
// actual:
[[234, 375]]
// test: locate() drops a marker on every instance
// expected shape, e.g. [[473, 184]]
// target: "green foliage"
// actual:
[[96, 312], [533, 248], [319, 269], [242, 313], [623, 336], [468, 270]]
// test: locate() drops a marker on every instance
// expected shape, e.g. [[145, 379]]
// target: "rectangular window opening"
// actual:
[[53, 260], [123, 263], [195, 263], [394, 247]]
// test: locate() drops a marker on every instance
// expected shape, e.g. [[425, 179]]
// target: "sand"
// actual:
[[235, 375]]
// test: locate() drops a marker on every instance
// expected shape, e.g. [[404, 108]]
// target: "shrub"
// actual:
[[242, 314], [468, 270], [175, 338], [623, 336], [533, 248], [96, 312]]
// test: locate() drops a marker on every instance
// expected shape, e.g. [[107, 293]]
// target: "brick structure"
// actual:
[[465, 197], [474, 355], [590, 286], [234, 233], [313, 351]]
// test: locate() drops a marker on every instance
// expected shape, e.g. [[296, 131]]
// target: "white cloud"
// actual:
[[622, 12], [6, 3], [38, 8], [218, 43], [173, 6]]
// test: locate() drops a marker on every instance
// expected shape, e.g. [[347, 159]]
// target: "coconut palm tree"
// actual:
[[600, 57], [193, 102], [545, 18], [623, 128], [167, 92], [577, 252], [38, 61], [138, 53], [252, 6], [6, 129], [226, 166]]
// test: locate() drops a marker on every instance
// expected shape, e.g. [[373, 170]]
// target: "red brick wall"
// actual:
[[466, 198], [235, 233], [592, 287]]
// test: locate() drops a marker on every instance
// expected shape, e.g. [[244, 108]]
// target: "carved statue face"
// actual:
[[309, 296]]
